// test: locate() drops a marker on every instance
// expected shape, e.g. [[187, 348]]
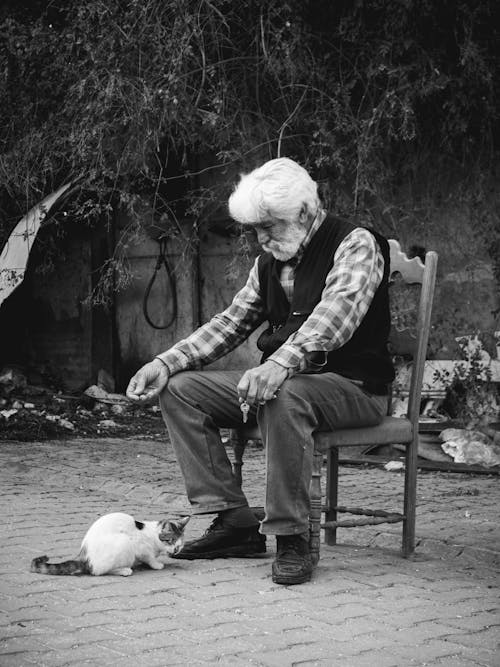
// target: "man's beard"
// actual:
[[289, 246]]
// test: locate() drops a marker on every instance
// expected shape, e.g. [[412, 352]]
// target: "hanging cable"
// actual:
[[161, 261]]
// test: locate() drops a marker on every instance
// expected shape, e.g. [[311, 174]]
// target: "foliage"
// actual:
[[166, 101], [472, 398]]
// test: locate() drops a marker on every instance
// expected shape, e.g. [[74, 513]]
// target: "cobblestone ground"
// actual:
[[365, 605]]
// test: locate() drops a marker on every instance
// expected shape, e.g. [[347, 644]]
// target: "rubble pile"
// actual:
[[29, 412], [472, 447]]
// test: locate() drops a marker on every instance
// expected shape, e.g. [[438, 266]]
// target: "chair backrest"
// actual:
[[411, 340]]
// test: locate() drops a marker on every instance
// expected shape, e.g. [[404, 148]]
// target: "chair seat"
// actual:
[[391, 431]]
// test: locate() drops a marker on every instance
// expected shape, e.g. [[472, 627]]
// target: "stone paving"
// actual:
[[365, 605]]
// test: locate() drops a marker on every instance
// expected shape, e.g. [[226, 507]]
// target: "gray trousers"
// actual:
[[195, 404]]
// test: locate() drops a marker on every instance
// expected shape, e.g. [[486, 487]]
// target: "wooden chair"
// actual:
[[411, 343]]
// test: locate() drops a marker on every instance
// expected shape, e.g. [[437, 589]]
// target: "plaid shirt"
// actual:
[[349, 289]]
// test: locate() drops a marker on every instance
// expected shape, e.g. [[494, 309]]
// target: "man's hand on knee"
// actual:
[[148, 382], [260, 384]]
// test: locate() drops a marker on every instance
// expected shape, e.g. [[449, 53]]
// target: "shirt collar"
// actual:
[[316, 224]]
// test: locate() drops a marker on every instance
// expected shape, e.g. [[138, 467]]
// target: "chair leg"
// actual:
[[238, 443], [410, 497], [315, 508], [332, 476]]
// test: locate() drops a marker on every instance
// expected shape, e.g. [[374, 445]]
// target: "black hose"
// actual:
[[161, 261]]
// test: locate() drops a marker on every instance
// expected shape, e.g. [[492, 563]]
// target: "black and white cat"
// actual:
[[116, 543]]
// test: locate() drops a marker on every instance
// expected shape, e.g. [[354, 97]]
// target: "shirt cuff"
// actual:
[[310, 362], [288, 359], [175, 361]]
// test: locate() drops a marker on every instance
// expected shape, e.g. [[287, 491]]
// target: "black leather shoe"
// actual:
[[293, 564], [221, 541]]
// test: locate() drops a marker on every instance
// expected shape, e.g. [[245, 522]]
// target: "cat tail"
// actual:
[[41, 565]]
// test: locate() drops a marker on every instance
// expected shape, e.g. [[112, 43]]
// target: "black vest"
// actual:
[[365, 356]]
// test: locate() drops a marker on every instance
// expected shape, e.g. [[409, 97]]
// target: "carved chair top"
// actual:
[[411, 270]]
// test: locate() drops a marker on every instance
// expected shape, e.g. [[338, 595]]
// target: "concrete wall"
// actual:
[[207, 277], [138, 341]]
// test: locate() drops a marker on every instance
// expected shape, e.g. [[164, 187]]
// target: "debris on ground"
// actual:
[[100, 394], [40, 413], [470, 447], [64, 423], [107, 423], [392, 466], [6, 414]]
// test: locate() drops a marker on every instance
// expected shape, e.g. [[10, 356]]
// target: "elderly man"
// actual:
[[321, 285]]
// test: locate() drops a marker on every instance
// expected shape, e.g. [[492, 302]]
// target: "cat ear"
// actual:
[[178, 524]]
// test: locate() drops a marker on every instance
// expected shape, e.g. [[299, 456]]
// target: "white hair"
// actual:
[[279, 188]]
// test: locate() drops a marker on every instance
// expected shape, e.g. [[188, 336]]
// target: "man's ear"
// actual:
[[304, 217]]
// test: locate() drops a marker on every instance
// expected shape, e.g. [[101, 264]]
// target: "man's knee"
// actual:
[[289, 405], [178, 382], [177, 387], [198, 387], [288, 395]]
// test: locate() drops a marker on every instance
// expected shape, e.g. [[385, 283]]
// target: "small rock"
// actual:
[[107, 423], [118, 409], [83, 412], [17, 405], [60, 421], [394, 465], [7, 413], [100, 394], [65, 423], [29, 406], [96, 392]]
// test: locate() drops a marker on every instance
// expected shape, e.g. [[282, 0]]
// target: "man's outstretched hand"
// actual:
[[148, 382], [260, 384]]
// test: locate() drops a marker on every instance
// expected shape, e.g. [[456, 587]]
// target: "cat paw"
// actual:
[[123, 571], [156, 565]]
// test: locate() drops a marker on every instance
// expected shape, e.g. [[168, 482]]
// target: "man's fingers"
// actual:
[[242, 387], [259, 385], [251, 393], [139, 385], [136, 386], [269, 393], [247, 388], [132, 388], [255, 390], [148, 382]]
